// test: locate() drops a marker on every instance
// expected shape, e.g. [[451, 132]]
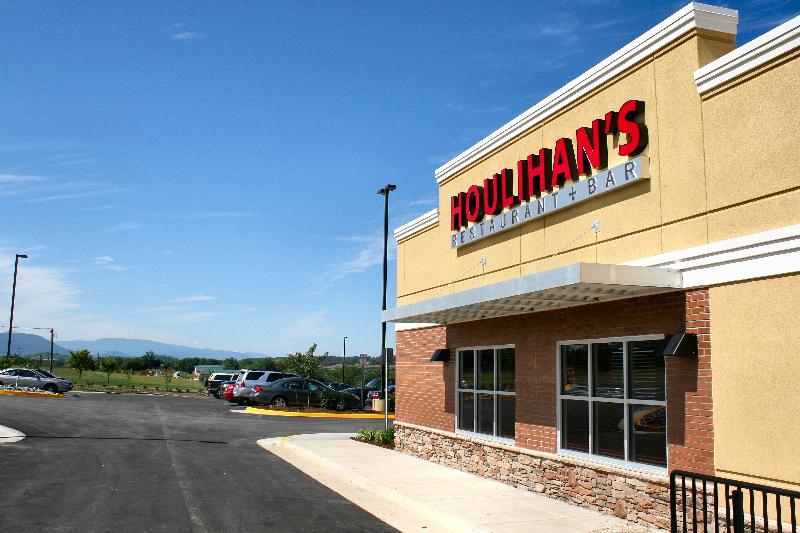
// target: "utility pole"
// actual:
[[13, 296], [52, 335], [385, 377], [344, 354]]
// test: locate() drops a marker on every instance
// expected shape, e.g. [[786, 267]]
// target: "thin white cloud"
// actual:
[[19, 178], [191, 316], [106, 262], [310, 323], [193, 299], [125, 226], [103, 260], [45, 295], [367, 254], [187, 36]]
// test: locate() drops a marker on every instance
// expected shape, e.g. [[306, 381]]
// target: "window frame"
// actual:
[[476, 392], [591, 400]]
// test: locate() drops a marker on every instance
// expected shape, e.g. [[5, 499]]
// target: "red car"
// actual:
[[227, 390]]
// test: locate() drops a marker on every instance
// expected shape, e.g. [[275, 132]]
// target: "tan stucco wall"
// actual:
[[715, 173], [755, 342]]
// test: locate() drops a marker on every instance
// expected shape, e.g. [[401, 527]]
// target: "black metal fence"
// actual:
[[701, 503]]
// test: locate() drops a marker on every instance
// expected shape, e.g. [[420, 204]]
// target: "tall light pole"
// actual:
[[385, 374], [344, 354], [13, 295]]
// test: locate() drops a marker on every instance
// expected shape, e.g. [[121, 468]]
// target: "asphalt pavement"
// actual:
[[103, 462]]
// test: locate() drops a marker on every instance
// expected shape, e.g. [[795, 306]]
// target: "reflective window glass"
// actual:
[[485, 370], [467, 369], [648, 430], [645, 370], [505, 374], [575, 369], [609, 429], [486, 414], [505, 415], [575, 425], [466, 418], [608, 370]]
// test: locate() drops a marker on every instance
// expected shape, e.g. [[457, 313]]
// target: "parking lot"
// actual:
[[100, 462]]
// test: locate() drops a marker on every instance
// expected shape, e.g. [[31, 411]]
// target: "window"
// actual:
[[485, 397], [274, 376], [612, 400], [294, 384], [252, 376]]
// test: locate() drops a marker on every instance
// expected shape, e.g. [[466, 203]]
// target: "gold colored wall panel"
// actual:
[[752, 131], [755, 377]]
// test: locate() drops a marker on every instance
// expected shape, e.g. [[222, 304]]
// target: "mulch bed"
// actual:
[[387, 446]]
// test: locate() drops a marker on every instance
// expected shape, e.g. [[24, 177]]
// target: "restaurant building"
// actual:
[[609, 288]]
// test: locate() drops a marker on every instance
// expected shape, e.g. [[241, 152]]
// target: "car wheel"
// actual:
[[279, 401], [341, 404], [51, 388]]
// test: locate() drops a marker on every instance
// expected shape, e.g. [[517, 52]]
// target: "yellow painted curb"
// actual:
[[29, 393], [272, 412]]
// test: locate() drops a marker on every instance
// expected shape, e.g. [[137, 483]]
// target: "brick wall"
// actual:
[[421, 385], [690, 428], [426, 394]]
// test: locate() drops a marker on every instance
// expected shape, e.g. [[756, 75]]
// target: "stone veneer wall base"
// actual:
[[638, 497]]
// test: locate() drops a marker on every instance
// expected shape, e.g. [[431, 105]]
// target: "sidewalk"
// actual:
[[419, 495]]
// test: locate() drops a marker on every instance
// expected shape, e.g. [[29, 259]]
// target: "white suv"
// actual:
[[249, 378]]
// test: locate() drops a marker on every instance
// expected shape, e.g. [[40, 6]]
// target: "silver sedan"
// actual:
[[27, 377]]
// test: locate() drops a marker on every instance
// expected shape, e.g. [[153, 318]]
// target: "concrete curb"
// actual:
[[371, 496], [10, 435], [273, 412]]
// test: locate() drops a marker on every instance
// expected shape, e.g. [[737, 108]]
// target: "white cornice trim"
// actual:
[[768, 253], [750, 56], [422, 222], [693, 16]]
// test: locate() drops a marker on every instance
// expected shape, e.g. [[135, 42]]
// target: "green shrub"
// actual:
[[327, 400], [379, 436]]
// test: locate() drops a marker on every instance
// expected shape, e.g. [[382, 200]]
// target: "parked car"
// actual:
[[299, 391], [370, 386], [337, 386], [26, 377], [227, 390], [250, 378], [215, 380]]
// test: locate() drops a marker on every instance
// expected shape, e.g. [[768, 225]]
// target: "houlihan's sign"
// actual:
[[494, 207]]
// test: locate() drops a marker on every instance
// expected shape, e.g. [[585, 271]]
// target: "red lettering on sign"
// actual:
[[491, 195], [474, 203], [592, 147], [457, 206], [636, 132], [564, 163]]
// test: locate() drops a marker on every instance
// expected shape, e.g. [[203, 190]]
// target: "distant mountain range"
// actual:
[[28, 344]]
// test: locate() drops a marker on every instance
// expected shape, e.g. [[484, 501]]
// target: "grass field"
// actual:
[[93, 379]]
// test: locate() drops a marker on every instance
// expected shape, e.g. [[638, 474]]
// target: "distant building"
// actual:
[[205, 370]]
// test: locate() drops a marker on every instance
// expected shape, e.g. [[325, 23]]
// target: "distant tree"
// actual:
[[81, 360], [167, 373], [306, 365], [231, 363], [109, 365], [150, 360], [12, 360]]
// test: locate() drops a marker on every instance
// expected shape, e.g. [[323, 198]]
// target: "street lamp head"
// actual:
[[386, 190], [22, 256]]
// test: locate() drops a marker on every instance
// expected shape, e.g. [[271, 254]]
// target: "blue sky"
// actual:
[[205, 173]]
